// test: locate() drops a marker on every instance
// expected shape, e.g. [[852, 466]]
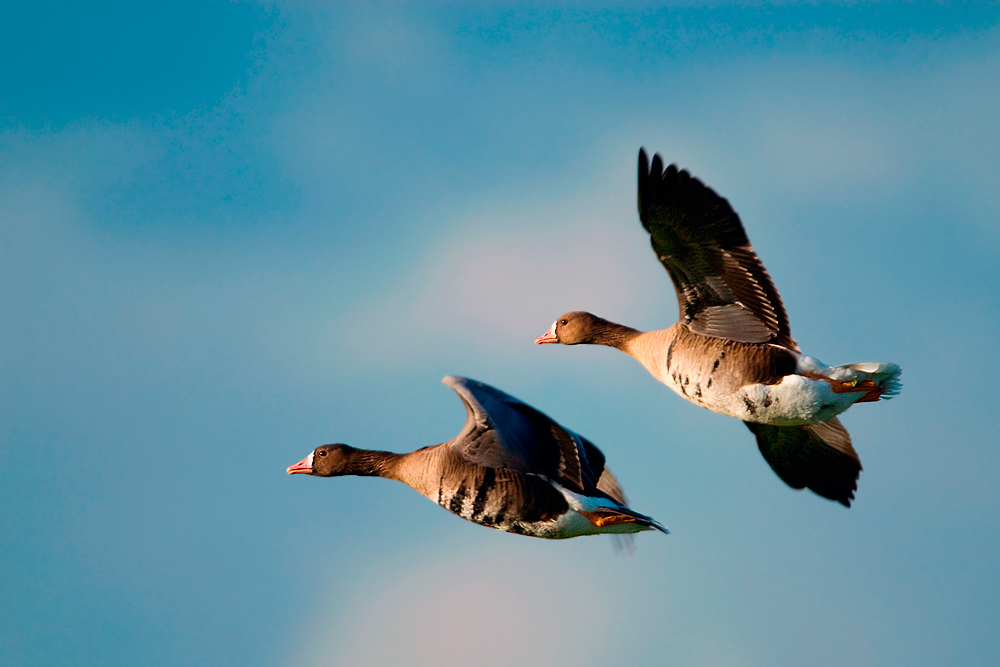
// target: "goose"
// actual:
[[511, 468], [732, 351]]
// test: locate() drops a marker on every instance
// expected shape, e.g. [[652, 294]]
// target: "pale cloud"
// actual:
[[496, 285], [496, 603]]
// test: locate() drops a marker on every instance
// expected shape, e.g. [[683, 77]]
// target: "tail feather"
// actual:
[[886, 376], [643, 520], [883, 375], [624, 543], [613, 516]]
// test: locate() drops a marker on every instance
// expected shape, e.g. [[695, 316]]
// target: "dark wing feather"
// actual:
[[598, 475], [818, 456], [723, 290], [502, 432]]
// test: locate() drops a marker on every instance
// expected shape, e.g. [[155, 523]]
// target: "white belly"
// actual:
[[573, 524], [794, 401]]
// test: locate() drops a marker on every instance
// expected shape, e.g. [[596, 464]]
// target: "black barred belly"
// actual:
[[502, 499]]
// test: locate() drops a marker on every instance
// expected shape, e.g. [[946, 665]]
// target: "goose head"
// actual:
[[325, 461], [577, 327]]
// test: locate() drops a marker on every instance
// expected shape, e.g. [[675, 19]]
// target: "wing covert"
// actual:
[[502, 432], [723, 290]]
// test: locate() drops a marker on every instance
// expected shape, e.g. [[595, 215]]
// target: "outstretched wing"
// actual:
[[723, 290], [818, 456], [502, 432]]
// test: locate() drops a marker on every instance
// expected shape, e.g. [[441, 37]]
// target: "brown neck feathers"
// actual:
[[603, 332], [371, 463]]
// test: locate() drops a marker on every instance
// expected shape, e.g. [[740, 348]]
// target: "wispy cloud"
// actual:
[[491, 604], [503, 282]]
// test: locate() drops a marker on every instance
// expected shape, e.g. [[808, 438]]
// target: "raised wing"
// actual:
[[502, 432], [597, 474], [723, 290], [818, 456]]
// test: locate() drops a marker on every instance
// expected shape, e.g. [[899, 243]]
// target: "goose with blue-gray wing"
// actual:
[[511, 468]]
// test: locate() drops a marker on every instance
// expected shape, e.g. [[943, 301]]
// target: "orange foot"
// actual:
[[872, 391], [607, 518]]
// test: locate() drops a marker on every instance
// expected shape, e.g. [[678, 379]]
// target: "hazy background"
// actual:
[[230, 232]]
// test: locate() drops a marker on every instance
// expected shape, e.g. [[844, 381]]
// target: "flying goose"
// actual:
[[511, 468], [732, 351]]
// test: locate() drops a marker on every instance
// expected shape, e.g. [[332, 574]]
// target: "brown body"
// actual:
[[511, 468], [500, 498], [698, 364], [731, 350]]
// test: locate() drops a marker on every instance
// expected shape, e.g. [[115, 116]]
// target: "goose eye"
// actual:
[[563, 322], [322, 452]]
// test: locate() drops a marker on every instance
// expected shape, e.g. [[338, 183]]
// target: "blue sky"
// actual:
[[233, 231]]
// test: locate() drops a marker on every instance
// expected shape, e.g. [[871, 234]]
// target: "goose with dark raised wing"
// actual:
[[511, 468], [732, 350]]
